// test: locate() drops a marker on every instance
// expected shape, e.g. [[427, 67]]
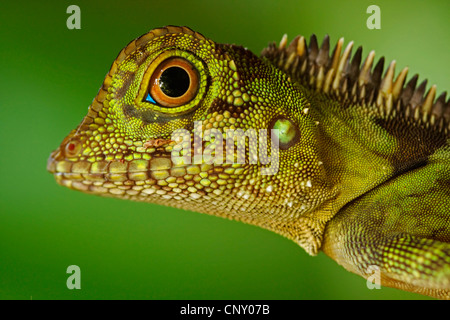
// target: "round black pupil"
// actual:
[[174, 82]]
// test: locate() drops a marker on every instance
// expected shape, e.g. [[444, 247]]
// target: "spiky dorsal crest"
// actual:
[[342, 76]]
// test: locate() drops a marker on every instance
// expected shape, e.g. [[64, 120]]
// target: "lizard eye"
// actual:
[[173, 83]]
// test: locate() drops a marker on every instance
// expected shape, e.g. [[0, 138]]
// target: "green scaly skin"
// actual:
[[363, 159]]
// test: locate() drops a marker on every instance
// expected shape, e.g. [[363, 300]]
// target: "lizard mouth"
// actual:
[[153, 173], [115, 177]]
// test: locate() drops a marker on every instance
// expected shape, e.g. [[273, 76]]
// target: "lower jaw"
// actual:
[[105, 184]]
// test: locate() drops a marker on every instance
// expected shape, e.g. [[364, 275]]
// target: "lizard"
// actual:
[[361, 157]]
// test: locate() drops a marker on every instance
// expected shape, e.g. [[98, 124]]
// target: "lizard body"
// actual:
[[357, 163]]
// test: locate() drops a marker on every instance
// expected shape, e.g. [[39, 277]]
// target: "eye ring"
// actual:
[[174, 83]]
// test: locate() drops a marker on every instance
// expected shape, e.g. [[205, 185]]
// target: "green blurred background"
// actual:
[[49, 75]]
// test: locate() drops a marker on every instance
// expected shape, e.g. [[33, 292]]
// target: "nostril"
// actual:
[[72, 148]]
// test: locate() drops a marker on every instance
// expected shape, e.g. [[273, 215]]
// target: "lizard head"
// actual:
[[183, 121]]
